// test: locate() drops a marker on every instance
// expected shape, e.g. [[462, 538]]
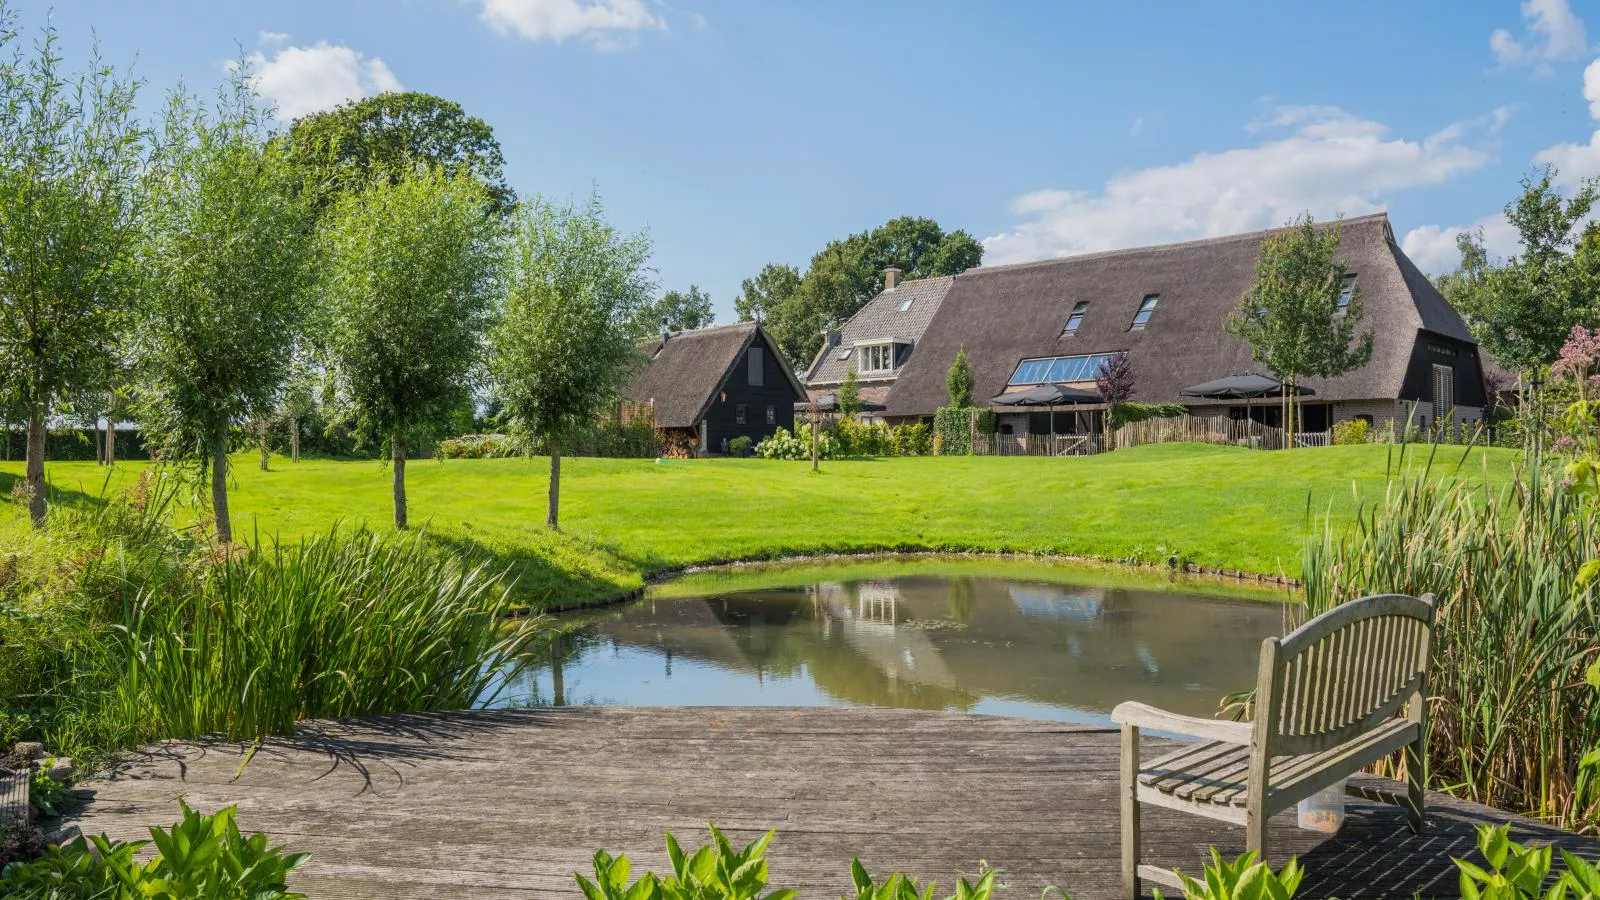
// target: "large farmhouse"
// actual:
[[709, 386], [1054, 322]]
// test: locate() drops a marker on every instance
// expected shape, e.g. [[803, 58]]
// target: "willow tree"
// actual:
[[412, 269], [562, 349], [1292, 317], [69, 160], [228, 261]]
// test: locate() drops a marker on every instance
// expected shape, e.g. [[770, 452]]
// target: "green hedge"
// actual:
[[952, 429], [1126, 413]]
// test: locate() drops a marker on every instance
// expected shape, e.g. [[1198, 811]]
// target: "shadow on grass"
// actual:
[[59, 495], [537, 581]]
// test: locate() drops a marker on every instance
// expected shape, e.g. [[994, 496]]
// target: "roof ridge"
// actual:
[[1175, 245]]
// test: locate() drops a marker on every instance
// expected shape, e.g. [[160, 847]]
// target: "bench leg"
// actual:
[[1416, 786], [1131, 889]]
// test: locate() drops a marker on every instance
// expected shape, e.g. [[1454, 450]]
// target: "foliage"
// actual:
[[783, 445], [1516, 625], [738, 445], [562, 351], [1114, 379], [1125, 413], [413, 269], [878, 439], [899, 886], [952, 430], [1352, 431], [849, 397], [772, 287], [674, 311], [392, 136], [48, 797], [69, 160], [959, 380], [228, 264], [1243, 879], [1516, 872], [203, 857], [1522, 311], [1291, 316], [475, 446], [847, 273]]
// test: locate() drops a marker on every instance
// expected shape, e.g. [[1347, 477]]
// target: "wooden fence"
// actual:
[[1214, 430], [1037, 444]]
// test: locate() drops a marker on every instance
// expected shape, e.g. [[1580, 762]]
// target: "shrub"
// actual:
[[953, 426], [475, 446], [740, 444], [1243, 879], [1355, 431], [1516, 872], [783, 445], [1126, 413], [201, 856]]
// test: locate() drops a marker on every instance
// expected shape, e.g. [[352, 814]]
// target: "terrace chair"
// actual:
[[1336, 695]]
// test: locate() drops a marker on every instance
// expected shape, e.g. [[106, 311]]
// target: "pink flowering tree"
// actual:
[[1579, 361]]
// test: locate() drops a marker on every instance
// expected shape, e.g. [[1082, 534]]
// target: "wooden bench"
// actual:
[[1336, 695]]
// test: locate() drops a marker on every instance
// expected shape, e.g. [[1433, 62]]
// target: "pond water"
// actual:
[[983, 644]]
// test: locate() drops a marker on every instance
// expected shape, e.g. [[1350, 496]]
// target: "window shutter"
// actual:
[[757, 367]]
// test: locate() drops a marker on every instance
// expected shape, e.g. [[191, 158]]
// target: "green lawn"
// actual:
[[624, 519]]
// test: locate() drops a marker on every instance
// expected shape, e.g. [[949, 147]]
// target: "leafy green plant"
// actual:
[[1516, 872], [1354, 431], [202, 857], [899, 886], [48, 797], [1243, 879], [740, 444], [713, 872]]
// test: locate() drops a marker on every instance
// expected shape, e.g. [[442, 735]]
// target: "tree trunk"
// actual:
[[294, 440], [111, 439], [35, 465], [553, 519], [397, 454], [99, 445], [219, 482], [816, 426]]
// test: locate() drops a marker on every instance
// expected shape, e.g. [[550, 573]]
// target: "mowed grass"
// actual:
[[624, 520]]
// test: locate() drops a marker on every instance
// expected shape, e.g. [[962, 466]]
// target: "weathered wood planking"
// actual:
[[510, 803]]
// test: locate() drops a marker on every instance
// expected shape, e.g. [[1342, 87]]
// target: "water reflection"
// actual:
[[924, 642]]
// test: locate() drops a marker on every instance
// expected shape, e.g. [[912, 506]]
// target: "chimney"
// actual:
[[891, 277], [665, 331], [832, 335]]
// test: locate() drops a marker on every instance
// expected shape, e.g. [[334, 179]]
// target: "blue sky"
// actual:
[[740, 132]]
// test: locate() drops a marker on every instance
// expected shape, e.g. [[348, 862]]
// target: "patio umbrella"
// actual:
[[1051, 395], [1246, 386]]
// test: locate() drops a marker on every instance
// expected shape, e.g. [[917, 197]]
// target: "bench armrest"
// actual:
[[1141, 716]]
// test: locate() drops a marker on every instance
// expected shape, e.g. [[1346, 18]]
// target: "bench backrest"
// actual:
[[1343, 673]]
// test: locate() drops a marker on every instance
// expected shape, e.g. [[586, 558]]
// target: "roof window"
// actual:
[[1076, 319], [1346, 291], [1146, 309]]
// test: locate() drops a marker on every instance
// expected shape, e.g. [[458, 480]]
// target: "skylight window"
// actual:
[[1056, 369], [844, 353], [1076, 319], [1146, 309], [905, 305], [1346, 291]]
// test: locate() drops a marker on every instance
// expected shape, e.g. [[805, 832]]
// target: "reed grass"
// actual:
[[1511, 717]]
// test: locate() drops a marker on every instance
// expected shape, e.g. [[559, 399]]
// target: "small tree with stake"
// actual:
[[412, 276], [1114, 381], [959, 381], [849, 397], [562, 349], [1291, 316]]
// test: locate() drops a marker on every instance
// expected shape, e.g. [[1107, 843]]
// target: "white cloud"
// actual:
[[271, 38], [1330, 163], [1575, 162], [605, 23], [1433, 247], [301, 80], [1553, 33]]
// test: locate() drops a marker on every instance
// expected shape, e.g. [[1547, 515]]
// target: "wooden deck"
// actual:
[[510, 803]]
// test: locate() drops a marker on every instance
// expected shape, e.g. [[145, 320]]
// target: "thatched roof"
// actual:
[[881, 319], [1005, 314], [684, 373]]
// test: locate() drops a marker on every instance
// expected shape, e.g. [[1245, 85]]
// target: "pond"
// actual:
[[1040, 642]]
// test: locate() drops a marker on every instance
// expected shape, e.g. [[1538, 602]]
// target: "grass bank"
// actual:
[[627, 519]]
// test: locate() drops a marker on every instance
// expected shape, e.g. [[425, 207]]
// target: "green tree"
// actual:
[[959, 381], [678, 310], [770, 289], [847, 273], [229, 263], [849, 397], [391, 135], [1523, 311], [412, 276], [69, 161], [562, 350], [1291, 316]]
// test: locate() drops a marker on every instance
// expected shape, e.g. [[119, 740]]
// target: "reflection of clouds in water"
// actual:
[[1147, 660], [1054, 603]]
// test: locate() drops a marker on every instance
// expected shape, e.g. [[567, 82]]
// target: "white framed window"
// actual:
[[738, 414], [772, 415], [876, 358], [757, 367]]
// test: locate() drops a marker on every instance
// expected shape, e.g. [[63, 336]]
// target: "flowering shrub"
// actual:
[[474, 446], [1355, 431], [783, 445]]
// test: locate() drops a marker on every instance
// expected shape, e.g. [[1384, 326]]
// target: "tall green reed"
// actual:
[[338, 625], [1512, 718]]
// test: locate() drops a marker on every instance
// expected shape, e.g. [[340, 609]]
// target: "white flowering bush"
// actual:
[[783, 445]]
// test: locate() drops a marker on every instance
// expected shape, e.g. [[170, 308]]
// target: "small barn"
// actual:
[[709, 386]]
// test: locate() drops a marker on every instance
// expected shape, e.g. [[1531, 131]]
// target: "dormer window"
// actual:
[[1146, 309], [876, 359], [1346, 291], [1076, 319]]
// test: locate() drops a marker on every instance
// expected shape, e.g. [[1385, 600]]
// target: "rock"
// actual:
[[28, 750], [61, 769]]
